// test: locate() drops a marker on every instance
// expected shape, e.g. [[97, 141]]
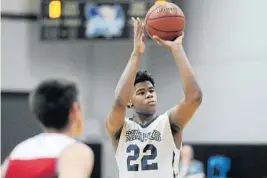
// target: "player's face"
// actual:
[[144, 98]]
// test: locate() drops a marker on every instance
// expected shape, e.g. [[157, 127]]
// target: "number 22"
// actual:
[[144, 161]]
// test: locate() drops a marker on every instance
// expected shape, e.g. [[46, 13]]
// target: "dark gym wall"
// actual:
[[17, 124], [247, 161]]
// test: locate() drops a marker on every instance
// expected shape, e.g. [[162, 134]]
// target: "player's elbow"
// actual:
[[198, 96], [114, 120], [195, 97], [119, 102], [107, 125]]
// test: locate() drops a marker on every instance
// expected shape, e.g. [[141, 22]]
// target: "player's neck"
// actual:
[[142, 119], [64, 132]]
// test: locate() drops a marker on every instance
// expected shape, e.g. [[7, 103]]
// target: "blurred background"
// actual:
[[225, 42]]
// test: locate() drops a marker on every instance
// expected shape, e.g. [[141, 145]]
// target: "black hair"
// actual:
[[142, 76], [52, 100]]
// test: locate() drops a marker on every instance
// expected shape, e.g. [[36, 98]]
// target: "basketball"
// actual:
[[165, 20]]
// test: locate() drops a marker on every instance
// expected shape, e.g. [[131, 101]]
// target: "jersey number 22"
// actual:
[[145, 166]]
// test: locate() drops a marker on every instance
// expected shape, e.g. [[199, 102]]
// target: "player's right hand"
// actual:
[[169, 44], [139, 45]]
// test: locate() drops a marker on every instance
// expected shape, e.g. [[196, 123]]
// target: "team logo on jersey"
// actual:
[[141, 136]]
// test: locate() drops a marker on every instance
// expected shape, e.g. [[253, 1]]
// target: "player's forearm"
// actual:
[[126, 82], [190, 85]]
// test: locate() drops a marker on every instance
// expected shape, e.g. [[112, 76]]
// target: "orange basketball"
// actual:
[[165, 20]]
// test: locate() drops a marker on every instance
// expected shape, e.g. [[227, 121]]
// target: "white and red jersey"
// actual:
[[37, 157]]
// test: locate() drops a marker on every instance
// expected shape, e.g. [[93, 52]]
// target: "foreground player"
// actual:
[[146, 145], [53, 153]]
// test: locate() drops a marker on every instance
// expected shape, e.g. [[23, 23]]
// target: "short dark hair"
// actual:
[[142, 76], [51, 102]]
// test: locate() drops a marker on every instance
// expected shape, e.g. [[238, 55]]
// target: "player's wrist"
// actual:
[[136, 53], [177, 48]]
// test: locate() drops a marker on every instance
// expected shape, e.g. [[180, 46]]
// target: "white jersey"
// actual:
[[37, 156], [147, 151]]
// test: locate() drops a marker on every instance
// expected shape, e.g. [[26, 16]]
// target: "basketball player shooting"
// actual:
[[54, 153], [147, 145]]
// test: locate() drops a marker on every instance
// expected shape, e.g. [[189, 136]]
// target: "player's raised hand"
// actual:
[[139, 45], [169, 44]]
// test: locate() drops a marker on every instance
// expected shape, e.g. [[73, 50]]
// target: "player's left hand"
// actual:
[[169, 44], [139, 45]]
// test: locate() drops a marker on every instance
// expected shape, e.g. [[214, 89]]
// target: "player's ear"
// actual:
[[75, 112], [76, 118], [75, 108], [130, 104]]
